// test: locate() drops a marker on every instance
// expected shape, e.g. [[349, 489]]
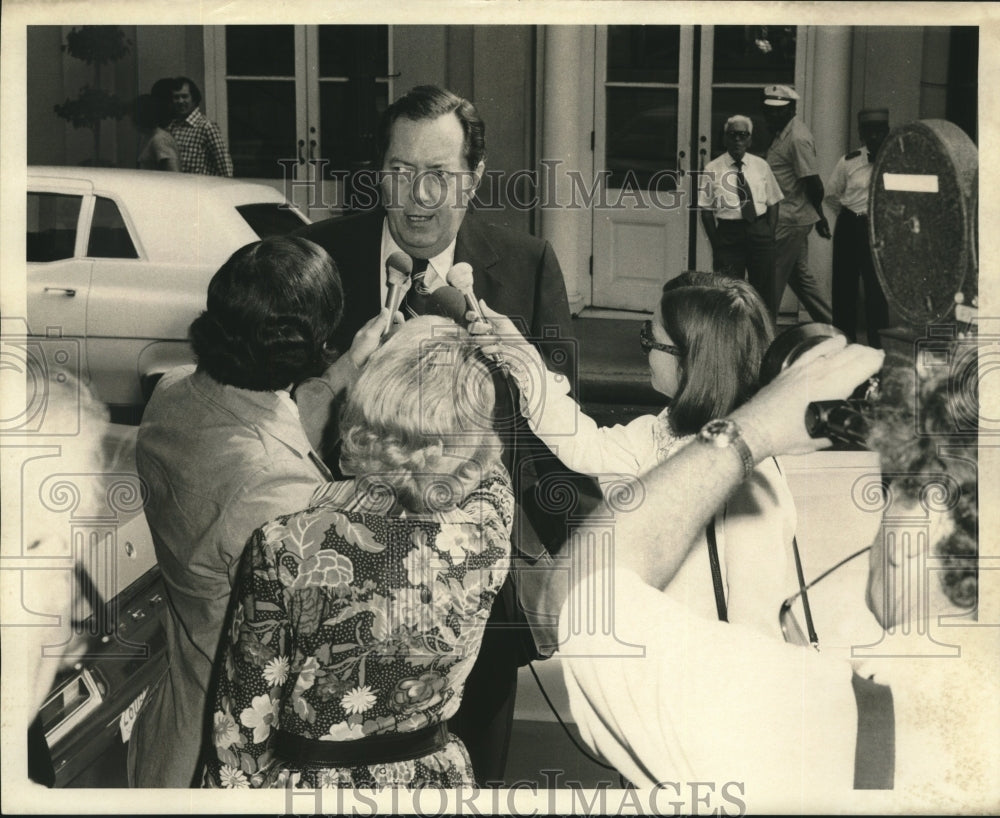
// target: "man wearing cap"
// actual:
[[847, 192], [792, 157], [739, 207]]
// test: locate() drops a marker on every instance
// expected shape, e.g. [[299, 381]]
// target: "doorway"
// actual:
[[301, 104], [662, 96]]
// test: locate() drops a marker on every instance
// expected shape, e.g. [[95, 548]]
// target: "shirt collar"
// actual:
[[440, 264], [193, 117]]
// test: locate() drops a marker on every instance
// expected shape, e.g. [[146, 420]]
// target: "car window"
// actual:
[[270, 218], [109, 237], [52, 223]]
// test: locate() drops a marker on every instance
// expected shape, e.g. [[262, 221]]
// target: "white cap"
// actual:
[[779, 95]]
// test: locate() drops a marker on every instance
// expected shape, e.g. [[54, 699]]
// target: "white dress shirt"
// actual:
[[437, 268], [720, 193]]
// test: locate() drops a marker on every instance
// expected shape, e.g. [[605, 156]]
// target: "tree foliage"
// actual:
[[96, 46]]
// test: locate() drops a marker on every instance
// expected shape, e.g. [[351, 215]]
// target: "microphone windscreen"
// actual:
[[460, 276], [399, 261], [450, 303], [398, 277]]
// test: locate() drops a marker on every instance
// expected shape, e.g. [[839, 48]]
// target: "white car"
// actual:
[[118, 263]]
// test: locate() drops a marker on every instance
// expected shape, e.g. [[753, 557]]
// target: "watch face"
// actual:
[[718, 432]]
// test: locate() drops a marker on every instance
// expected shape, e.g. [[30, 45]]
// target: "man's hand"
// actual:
[[367, 339], [773, 422], [823, 228]]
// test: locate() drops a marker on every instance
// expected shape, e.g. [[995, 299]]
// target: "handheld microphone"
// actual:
[[450, 303], [460, 277], [398, 268]]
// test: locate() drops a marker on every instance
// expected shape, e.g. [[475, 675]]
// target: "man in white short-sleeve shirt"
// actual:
[[738, 198]]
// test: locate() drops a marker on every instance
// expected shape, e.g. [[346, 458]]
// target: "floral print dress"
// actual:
[[349, 622]]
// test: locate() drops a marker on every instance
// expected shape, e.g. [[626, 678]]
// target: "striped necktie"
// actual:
[[747, 208], [418, 296]]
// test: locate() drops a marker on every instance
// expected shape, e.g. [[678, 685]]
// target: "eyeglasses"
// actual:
[[738, 134], [790, 627], [648, 342]]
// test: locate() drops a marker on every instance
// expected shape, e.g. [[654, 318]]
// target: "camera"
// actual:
[[923, 233], [844, 422]]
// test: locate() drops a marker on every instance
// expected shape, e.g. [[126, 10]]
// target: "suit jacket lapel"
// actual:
[[473, 246]]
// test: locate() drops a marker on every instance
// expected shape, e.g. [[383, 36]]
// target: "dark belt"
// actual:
[[381, 749]]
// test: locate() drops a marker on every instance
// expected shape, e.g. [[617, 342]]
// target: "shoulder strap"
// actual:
[[713, 560], [806, 609]]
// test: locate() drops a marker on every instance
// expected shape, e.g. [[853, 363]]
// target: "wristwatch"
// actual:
[[724, 432]]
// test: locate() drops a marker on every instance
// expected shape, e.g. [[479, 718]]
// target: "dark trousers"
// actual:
[[744, 247], [852, 257], [486, 716]]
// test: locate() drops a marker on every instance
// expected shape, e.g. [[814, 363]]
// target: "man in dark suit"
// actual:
[[433, 150]]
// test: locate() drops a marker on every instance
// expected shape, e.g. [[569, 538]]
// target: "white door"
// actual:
[[299, 106], [663, 94], [642, 108]]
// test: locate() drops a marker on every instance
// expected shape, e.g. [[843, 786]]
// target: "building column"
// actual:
[[568, 84], [828, 103]]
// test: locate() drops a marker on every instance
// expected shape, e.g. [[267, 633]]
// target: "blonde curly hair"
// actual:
[[419, 421]]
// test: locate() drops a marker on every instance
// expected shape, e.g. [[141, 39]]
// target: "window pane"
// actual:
[[754, 54], [346, 51], [746, 101], [260, 51], [642, 134], [643, 53], [109, 236], [261, 127], [52, 223], [348, 125], [269, 218]]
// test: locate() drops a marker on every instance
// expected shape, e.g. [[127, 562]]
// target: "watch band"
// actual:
[[745, 454], [724, 432]]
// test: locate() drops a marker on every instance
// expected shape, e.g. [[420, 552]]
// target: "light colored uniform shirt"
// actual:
[[719, 191], [437, 267], [792, 157], [849, 182]]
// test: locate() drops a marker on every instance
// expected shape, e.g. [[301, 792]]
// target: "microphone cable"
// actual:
[[565, 726]]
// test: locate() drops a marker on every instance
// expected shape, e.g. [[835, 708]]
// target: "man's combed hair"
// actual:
[[723, 330], [419, 420], [271, 314], [923, 426], [179, 82], [431, 102]]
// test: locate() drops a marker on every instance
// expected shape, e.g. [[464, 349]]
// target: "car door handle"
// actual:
[[66, 291]]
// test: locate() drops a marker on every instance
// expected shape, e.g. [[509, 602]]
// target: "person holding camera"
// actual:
[[356, 621], [792, 729]]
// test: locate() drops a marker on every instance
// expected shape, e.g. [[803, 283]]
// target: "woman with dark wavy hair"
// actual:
[[705, 344], [222, 449], [358, 619]]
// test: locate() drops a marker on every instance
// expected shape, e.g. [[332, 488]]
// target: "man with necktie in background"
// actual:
[[432, 146], [739, 199], [847, 192]]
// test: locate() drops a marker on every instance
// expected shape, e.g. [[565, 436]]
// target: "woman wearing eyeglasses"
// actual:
[[705, 344]]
